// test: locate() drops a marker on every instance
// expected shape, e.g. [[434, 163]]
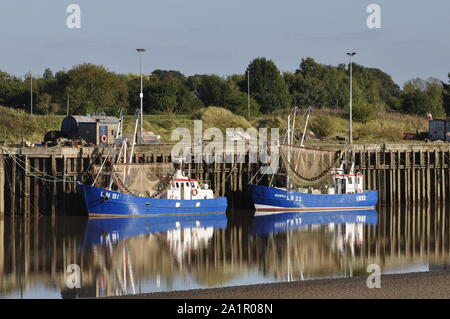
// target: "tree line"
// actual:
[[89, 88]]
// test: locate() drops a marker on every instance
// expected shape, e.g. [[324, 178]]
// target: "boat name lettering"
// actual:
[[109, 195], [294, 198], [361, 198]]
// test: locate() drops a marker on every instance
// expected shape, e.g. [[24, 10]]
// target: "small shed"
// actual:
[[447, 130], [437, 129], [96, 129]]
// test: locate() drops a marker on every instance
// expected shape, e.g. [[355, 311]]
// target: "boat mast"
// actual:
[[116, 142], [289, 148], [293, 126], [290, 141], [308, 113], [134, 140]]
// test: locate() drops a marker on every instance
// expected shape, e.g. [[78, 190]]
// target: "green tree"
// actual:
[[170, 96], [446, 96], [13, 91], [48, 74], [415, 101], [93, 88], [267, 86], [169, 75], [213, 90]]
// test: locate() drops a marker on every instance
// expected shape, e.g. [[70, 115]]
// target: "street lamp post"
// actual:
[[141, 95], [350, 127], [248, 92], [31, 93], [68, 104]]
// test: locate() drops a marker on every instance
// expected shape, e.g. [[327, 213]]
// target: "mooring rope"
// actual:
[[22, 165]]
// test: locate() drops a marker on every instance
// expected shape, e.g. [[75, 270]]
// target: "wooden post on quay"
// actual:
[[53, 169], [13, 185], [26, 187], [2, 199], [36, 188]]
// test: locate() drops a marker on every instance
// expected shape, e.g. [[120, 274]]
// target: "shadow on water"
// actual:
[[133, 255]]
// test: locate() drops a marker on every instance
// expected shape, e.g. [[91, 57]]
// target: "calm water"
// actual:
[[125, 256]]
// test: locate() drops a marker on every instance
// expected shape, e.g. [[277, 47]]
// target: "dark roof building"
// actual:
[[96, 129]]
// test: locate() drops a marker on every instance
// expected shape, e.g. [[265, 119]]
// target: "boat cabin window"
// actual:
[[350, 181], [192, 184], [177, 185]]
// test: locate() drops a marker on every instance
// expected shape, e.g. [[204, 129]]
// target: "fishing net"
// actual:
[[309, 167], [147, 180]]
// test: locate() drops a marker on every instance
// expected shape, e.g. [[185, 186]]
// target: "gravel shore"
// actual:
[[435, 284]]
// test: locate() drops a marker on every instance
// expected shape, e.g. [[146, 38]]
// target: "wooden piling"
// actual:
[[53, 185], [26, 187], [36, 188], [2, 193], [13, 186]]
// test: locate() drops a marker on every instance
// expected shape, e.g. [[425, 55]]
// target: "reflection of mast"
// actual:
[[289, 266], [119, 276], [182, 241], [2, 247]]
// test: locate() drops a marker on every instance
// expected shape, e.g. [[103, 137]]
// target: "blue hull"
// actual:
[[270, 200], [279, 223], [105, 203], [99, 230]]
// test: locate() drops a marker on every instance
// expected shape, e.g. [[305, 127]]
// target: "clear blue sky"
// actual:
[[222, 37]]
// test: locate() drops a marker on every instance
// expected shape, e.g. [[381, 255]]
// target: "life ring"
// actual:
[[194, 192], [104, 139]]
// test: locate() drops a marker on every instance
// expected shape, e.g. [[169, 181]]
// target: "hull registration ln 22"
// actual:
[[270, 200]]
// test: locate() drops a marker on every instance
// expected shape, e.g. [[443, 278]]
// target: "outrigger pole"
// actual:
[[130, 160], [308, 113]]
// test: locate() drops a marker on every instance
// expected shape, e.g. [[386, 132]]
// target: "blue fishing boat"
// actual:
[[279, 223], [308, 166], [183, 197], [174, 196], [346, 195]]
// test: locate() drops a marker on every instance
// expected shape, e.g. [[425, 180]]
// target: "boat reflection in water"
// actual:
[[124, 246], [101, 231], [133, 255], [288, 221], [305, 253]]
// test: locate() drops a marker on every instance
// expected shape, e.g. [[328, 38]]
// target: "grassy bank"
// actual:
[[15, 124]]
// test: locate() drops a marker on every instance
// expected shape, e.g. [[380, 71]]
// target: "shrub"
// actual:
[[322, 126], [363, 111]]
